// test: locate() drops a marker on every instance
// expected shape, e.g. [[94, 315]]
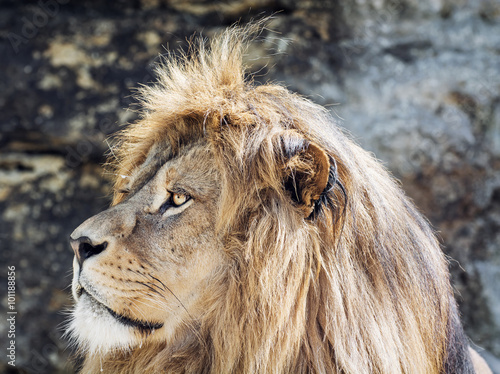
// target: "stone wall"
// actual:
[[416, 82]]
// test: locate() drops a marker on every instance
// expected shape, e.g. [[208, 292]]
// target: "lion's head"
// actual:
[[249, 234]]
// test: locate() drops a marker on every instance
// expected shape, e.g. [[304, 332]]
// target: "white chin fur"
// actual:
[[94, 330]]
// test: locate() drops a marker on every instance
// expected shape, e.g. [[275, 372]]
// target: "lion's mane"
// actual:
[[358, 286]]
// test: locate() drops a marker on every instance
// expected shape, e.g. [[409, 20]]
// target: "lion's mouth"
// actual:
[[143, 326]]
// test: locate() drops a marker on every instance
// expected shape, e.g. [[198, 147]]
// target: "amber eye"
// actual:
[[178, 199]]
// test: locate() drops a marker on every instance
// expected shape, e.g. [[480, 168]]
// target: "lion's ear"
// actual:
[[306, 171]]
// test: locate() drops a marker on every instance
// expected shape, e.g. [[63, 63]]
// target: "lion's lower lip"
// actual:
[[143, 326]]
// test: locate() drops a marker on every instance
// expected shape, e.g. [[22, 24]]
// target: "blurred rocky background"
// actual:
[[416, 82]]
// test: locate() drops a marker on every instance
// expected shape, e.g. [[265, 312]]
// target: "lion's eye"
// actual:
[[179, 199], [175, 200]]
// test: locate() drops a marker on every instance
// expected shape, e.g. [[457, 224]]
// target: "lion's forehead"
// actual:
[[158, 155], [191, 169]]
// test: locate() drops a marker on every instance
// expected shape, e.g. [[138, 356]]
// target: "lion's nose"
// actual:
[[84, 248], [104, 230]]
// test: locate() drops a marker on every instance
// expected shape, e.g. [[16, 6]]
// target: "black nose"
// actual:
[[84, 248]]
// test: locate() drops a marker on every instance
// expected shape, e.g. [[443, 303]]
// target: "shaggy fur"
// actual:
[[329, 268]]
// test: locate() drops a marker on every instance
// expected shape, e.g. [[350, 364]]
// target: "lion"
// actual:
[[249, 234]]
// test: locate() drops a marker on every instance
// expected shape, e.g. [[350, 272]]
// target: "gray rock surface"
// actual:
[[416, 82]]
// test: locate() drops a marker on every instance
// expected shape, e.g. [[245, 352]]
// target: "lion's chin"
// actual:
[[94, 329]]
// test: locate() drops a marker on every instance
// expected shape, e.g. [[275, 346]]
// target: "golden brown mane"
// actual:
[[351, 281]]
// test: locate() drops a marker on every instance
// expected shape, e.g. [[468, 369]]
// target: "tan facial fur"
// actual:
[[155, 266]]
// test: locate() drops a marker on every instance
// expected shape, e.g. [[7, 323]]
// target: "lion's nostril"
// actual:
[[84, 248]]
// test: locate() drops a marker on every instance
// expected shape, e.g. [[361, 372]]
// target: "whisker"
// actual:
[[169, 290]]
